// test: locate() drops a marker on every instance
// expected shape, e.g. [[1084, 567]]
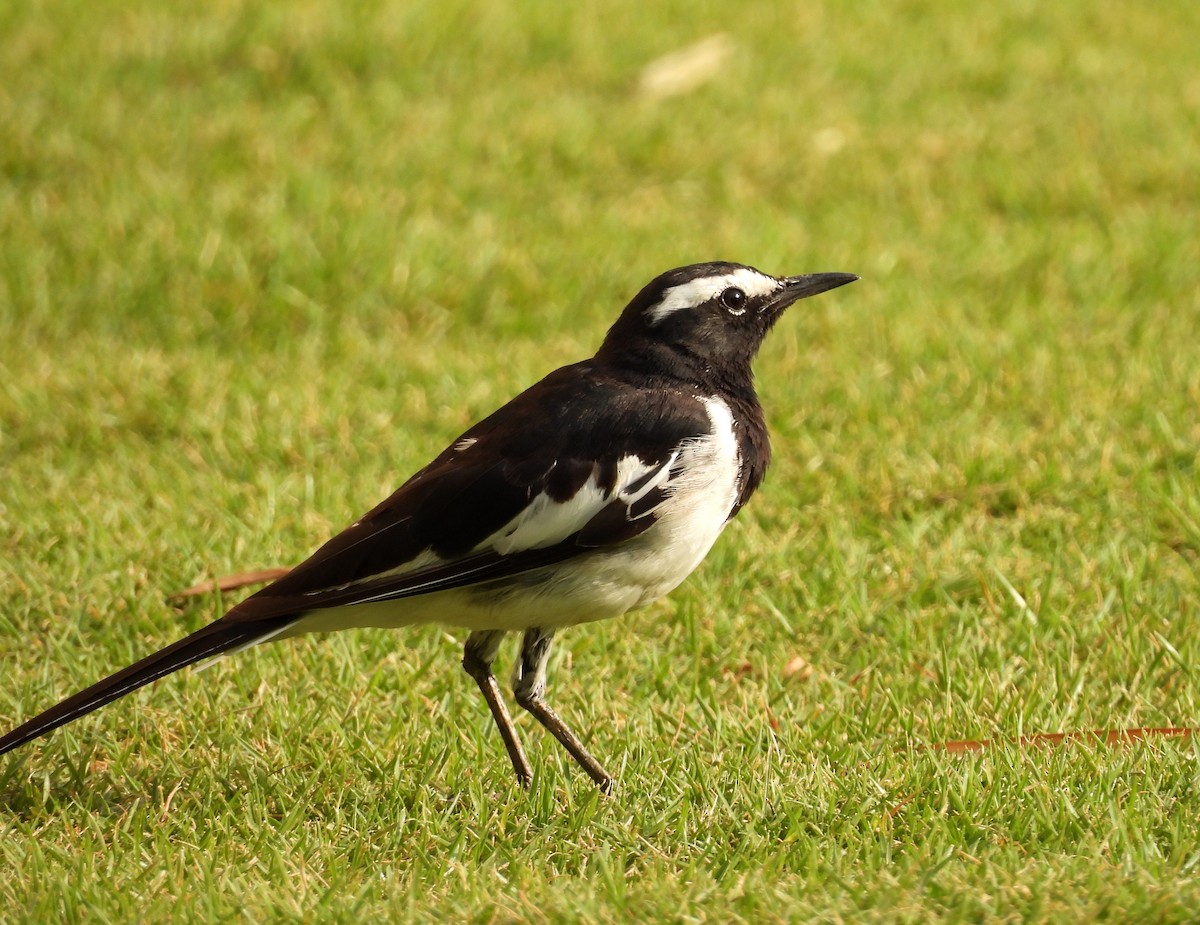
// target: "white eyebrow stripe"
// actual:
[[698, 291]]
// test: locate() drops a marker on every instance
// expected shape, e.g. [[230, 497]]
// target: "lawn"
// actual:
[[261, 260]]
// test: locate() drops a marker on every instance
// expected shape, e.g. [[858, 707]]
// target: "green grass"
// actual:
[[261, 260]]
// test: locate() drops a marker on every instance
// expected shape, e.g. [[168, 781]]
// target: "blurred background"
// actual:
[[260, 260]]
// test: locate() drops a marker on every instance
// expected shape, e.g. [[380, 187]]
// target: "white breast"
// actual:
[[704, 493]]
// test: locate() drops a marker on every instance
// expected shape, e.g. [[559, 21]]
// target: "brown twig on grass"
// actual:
[[230, 582], [1045, 739]]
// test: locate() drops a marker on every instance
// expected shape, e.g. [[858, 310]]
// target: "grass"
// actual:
[[262, 260]]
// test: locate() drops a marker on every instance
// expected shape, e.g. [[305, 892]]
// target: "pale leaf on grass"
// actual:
[[799, 668], [685, 70]]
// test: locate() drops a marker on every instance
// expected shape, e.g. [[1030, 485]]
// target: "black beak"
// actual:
[[801, 287]]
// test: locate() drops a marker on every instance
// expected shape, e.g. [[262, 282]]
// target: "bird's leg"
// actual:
[[478, 655], [529, 687]]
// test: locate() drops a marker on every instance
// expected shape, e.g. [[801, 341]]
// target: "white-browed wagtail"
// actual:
[[592, 493]]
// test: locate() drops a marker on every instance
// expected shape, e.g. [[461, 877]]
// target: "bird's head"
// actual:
[[707, 321]]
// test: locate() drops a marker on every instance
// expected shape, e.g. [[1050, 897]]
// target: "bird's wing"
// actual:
[[535, 484]]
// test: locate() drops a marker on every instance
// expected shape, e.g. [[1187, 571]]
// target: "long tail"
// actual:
[[218, 637]]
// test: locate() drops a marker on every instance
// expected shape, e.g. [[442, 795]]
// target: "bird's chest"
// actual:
[[704, 492]]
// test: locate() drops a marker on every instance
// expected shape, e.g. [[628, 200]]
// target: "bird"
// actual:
[[594, 492]]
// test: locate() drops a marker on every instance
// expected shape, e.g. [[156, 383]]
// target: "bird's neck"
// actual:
[[681, 367], [733, 385]]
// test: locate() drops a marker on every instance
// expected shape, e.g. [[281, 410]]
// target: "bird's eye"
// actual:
[[734, 300]]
